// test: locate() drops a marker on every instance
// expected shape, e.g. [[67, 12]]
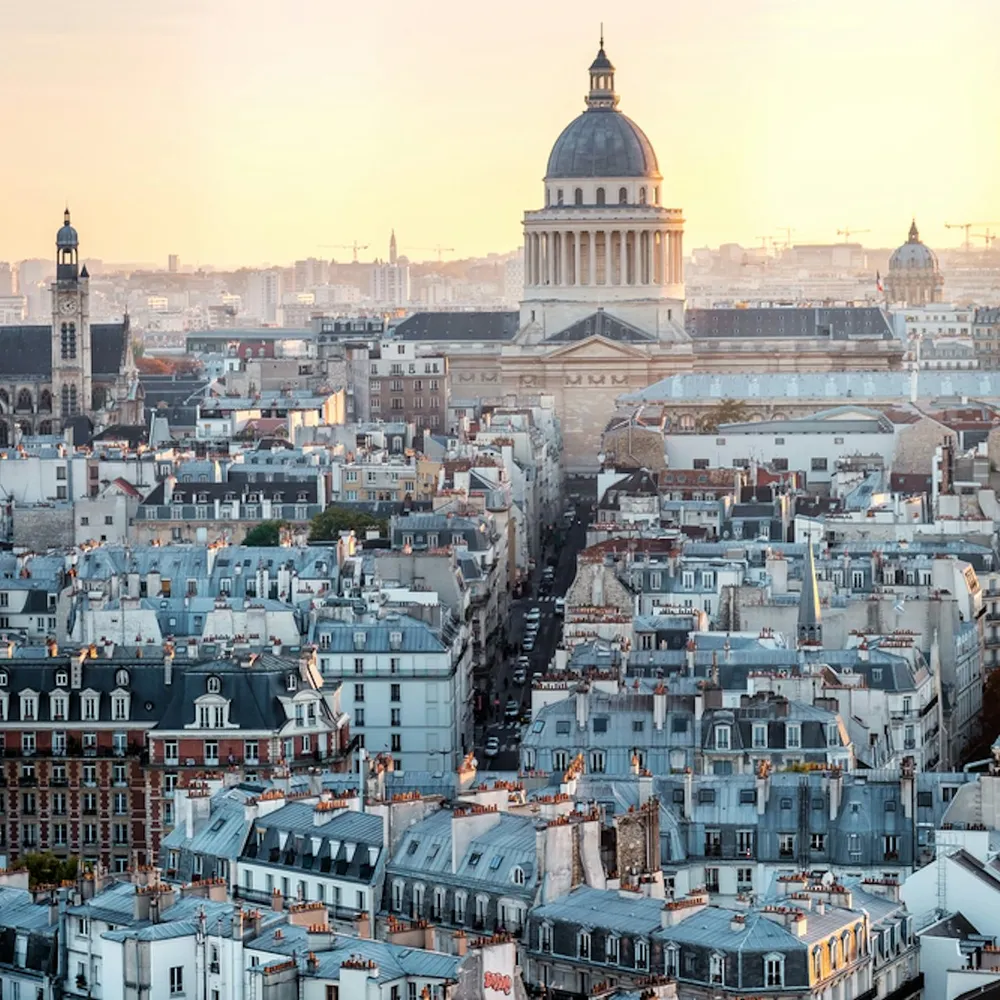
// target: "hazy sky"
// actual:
[[244, 131]]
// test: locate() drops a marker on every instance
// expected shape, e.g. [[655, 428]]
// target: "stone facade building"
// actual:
[[73, 368]]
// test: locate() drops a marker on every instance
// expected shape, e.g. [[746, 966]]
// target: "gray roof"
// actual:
[[27, 350], [602, 142], [415, 636], [838, 323], [600, 324], [885, 386], [458, 326], [223, 835], [810, 611]]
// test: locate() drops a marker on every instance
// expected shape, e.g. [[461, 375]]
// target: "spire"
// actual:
[[810, 623], [602, 94], [914, 235], [392, 247], [66, 216]]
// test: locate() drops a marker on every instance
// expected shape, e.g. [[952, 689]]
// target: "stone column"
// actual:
[[663, 256], [550, 257], [622, 256], [650, 257], [591, 258], [528, 242], [577, 277]]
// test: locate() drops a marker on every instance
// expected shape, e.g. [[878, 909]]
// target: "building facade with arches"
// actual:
[[51, 375], [914, 278]]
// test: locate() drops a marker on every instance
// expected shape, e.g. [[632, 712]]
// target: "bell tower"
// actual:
[[72, 388]]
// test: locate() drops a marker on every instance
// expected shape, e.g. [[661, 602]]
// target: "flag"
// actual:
[[878, 281]]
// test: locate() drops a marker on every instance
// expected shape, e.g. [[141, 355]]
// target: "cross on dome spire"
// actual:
[[602, 96], [914, 235]]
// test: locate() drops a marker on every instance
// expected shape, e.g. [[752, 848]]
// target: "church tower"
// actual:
[[809, 628], [72, 366]]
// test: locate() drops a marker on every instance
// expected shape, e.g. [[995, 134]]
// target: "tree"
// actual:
[[337, 518], [47, 869], [138, 349], [266, 534], [726, 411]]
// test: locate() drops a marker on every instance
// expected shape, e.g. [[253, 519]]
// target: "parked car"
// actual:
[[528, 643], [520, 675], [560, 606], [492, 746], [523, 661], [513, 709], [533, 615]]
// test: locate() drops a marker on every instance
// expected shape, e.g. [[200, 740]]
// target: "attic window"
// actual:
[[217, 826], [890, 807], [517, 875], [412, 847], [61, 679], [474, 859], [600, 724], [360, 638], [786, 803], [291, 682], [678, 796], [433, 852], [748, 796], [495, 862], [706, 795], [213, 685], [395, 640], [121, 678], [562, 728]]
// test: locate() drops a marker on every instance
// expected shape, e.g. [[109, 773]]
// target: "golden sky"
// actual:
[[244, 131]]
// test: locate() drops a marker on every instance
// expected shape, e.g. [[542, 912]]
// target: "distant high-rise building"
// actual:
[[173, 263], [390, 285], [6, 279], [392, 248], [311, 273], [264, 293], [513, 278]]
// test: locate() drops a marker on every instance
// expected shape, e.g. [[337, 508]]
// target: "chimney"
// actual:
[[277, 901], [836, 792], [688, 793], [763, 786], [168, 663], [461, 943], [52, 647], [659, 706], [689, 652], [362, 926], [906, 786], [582, 706]]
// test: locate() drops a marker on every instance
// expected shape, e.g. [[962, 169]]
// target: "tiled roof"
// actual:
[[458, 326]]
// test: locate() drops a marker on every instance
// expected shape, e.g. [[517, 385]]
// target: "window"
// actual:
[[394, 692], [597, 761], [641, 953], [396, 743], [600, 196], [712, 879], [774, 970], [176, 979], [793, 735], [760, 735], [394, 717], [817, 842], [622, 196], [786, 845], [722, 737], [578, 196], [545, 937], [744, 842], [819, 465], [716, 968]]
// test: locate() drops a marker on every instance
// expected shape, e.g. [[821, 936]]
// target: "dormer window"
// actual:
[[121, 678], [119, 707], [360, 638], [62, 678], [545, 937], [716, 969], [722, 740], [90, 704], [517, 875], [29, 707], [213, 685], [3, 678], [291, 682], [395, 640]]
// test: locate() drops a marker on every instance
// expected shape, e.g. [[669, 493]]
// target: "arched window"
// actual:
[[24, 401], [656, 194], [45, 402], [578, 196], [67, 342], [559, 196], [774, 970], [69, 401], [832, 945], [818, 962], [517, 875], [45, 427], [642, 196], [600, 196], [857, 941], [623, 196]]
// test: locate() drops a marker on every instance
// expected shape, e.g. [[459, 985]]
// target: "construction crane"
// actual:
[[787, 230], [439, 250], [847, 233], [353, 247], [967, 226]]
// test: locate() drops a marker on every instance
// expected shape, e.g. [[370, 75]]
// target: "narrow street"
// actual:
[[569, 538]]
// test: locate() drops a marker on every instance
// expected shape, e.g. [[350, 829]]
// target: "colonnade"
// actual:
[[568, 257]]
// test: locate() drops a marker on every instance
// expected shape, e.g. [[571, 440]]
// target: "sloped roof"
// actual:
[[458, 326], [600, 324], [27, 350]]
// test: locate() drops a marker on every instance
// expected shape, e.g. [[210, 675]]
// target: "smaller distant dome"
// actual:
[[67, 236], [913, 255]]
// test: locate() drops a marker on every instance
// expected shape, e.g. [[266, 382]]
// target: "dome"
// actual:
[[602, 142], [67, 237], [913, 255]]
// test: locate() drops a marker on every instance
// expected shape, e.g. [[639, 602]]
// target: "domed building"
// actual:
[[914, 278], [603, 238]]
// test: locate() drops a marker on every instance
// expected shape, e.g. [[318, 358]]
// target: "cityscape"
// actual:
[[612, 615]]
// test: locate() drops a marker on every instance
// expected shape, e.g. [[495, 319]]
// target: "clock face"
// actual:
[[67, 306]]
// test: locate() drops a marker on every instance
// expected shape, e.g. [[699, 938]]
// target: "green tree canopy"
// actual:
[[726, 411], [47, 869], [337, 518], [265, 534]]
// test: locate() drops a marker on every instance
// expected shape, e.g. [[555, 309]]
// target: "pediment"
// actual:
[[597, 348]]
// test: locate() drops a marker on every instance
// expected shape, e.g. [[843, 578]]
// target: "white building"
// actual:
[[406, 686], [812, 444], [390, 284], [513, 278], [265, 291]]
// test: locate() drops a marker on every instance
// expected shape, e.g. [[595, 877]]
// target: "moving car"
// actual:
[[560, 605], [513, 709], [528, 644], [520, 675], [492, 746], [533, 615], [523, 661]]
